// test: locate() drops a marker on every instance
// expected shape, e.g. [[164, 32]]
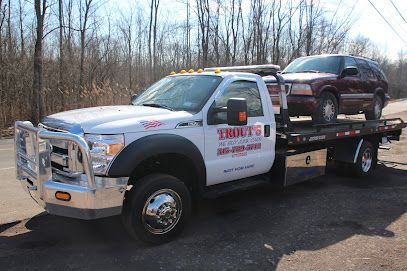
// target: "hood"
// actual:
[[116, 119], [302, 77]]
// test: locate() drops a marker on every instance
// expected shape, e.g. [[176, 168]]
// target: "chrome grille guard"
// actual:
[[33, 151]]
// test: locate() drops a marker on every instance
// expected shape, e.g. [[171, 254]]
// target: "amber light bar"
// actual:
[[258, 69]]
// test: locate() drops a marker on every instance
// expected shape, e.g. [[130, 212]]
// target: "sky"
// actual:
[[370, 24], [367, 22]]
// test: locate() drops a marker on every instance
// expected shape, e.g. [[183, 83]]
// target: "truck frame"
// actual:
[[167, 179]]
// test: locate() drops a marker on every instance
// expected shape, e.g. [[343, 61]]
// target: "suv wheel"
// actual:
[[376, 113], [327, 111], [157, 208]]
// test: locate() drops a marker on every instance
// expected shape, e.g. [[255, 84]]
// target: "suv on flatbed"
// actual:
[[188, 136], [324, 86]]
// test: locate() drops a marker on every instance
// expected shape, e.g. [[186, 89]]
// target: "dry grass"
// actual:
[[19, 108]]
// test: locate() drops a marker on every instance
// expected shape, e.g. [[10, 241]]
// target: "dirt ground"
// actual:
[[329, 223]]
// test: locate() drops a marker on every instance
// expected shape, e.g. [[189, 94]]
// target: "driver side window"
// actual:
[[350, 62], [239, 89]]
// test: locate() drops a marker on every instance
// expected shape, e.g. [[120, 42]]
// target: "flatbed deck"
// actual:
[[306, 132]]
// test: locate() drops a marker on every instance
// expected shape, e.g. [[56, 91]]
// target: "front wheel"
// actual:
[[157, 208], [327, 111]]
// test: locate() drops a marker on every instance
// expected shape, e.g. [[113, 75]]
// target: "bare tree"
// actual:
[[359, 46], [204, 15], [126, 29], [37, 108], [61, 43], [152, 36], [9, 26], [21, 22], [215, 30], [313, 12], [236, 15], [85, 12]]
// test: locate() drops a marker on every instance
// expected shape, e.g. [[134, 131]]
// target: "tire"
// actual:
[[174, 204], [366, 160], [376, 113], [327, 111]]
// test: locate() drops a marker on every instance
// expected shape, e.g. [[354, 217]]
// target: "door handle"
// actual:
[[266, 130]]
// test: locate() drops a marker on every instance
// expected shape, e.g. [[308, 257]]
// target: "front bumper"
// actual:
[[91, 196], [85, 203], [301, 105]]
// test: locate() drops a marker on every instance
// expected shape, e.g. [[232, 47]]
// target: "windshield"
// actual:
[[180, 93], [328, 64]]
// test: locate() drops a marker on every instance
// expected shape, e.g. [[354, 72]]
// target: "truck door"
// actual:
[[235, 152]]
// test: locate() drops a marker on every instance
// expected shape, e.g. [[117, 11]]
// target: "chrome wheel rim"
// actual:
[[162, 211], [367, 158], [328, 110], [378, 109]]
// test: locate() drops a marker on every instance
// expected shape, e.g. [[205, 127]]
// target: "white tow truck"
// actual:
[[190, 135]]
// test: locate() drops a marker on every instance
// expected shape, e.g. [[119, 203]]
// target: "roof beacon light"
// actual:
[[217, 70], [266, 69], [200, 70], [191, 71], [172, 73], [182, 71]]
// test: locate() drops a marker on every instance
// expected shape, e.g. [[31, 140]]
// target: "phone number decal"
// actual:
[[238, 149]]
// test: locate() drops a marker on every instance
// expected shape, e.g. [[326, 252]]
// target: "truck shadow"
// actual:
[[245, 230]]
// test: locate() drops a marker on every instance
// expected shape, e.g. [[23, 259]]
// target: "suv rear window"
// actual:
[[379, 73]]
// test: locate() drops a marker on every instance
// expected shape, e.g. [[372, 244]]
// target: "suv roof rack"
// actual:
[[262, 70], [365, 58]]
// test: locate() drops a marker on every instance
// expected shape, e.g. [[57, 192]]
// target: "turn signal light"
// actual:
[[242, 116], [65, 196], [112, 149]]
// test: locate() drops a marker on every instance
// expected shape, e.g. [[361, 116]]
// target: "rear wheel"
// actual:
[[366, 160], [157, 208], [327, 111], [376, 113]]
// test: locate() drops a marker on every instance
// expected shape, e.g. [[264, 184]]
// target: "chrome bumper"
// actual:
[[91, 196]]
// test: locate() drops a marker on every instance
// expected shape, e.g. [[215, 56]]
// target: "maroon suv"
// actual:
[[324, 86]]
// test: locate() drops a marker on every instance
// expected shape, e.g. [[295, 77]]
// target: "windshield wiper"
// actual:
[[159, 106], [314, 71]]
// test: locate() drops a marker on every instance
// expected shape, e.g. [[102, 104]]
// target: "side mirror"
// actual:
[[349, 71], [237, 111], [133, 97]]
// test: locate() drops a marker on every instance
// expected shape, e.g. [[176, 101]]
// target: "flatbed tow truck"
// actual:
[[188, 136]]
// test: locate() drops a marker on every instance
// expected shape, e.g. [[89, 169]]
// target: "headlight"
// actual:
[[301, 89], [102, 149]]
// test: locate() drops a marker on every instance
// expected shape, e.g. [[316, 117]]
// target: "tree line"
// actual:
[[62, 54]]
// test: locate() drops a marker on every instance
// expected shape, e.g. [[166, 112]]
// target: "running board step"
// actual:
[[218, 190]]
